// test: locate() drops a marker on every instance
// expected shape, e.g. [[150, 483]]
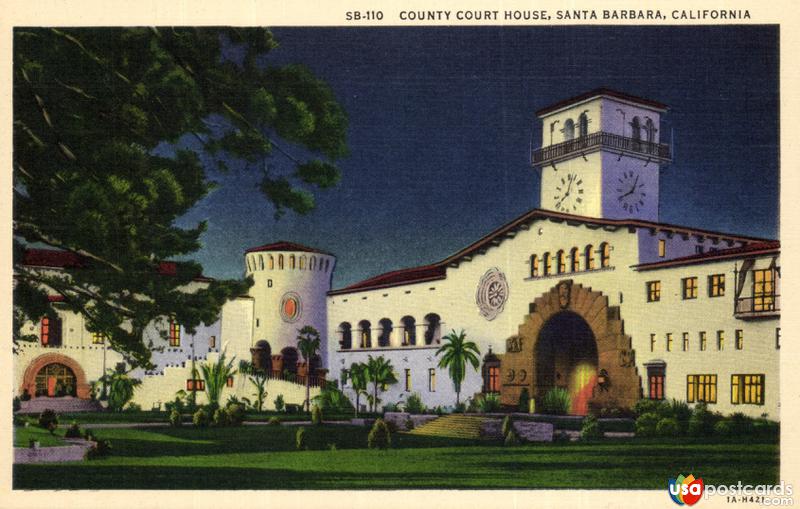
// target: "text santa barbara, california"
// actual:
[[535, 15]]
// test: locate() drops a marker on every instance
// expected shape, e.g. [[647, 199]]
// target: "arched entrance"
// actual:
[[566, 358], [55, 375], [262, 356], [290, 358]]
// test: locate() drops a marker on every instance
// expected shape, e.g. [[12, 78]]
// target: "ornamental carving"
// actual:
[[291, 307], [514, 344], [492, 293]]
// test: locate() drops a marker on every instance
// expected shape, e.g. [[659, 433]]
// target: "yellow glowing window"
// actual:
[[685, 341], [653, 291], [302, 262], [703, 341], [547, 267], [280, 262], [716, 285], [408, 380], [669, 341], [739, 339], [605, 254], [763, 290], [292, 262], [701, 388], [662, 248], [432, 380], [534, 266], [652, 342], [720, 340], [574, 260], [747, 389], [174, 333], [689, 286], [271, 262], [561, 265], [588, 253], [98, 338]]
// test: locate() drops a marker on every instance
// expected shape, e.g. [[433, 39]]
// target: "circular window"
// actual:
[[492, 293], [291, 307]]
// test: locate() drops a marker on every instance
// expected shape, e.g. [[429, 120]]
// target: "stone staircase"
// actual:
[[63, 405], [454, 426]]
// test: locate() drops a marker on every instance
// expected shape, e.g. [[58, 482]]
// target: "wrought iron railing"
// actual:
[[603, 140], [316, 381], [759, 305]]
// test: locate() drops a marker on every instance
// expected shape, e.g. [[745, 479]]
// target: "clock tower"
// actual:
[[601, 156]]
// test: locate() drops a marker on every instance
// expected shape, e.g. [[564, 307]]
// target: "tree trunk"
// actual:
[[308, 392], [358, 393], [458, 394]]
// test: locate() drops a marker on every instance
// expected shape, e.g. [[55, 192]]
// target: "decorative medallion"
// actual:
[[564, 288], [492, 293], [514, 344], [291, 307]]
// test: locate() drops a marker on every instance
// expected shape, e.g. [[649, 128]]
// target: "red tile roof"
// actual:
[[600, 92], [754, 249], [438, 270], [286, 246]]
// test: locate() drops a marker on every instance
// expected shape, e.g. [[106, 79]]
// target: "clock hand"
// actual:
[[634, 184]]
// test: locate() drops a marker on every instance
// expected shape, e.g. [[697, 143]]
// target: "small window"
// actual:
[[605, 254], [701, 388], [669, 341], [662, 248], [720, 340], [561, 265], [739, 339], [174, 333], [98, 338], [689, 286], [685, 341], [195, 384], [569, 129], [588, 254], [45, 330], [292, 262], [280, 262], [302, 263], [747, 389], [703, 341], [777, 338], [431, 380], [493, 379], [652, 342], [229, 382], [699, 249], [716, 285], [547, 267], [271, 262], [212, 342], [534, 266], [269, 283], [574, 260], [261, 262], [653, 291], [655, 379], [408, 380]]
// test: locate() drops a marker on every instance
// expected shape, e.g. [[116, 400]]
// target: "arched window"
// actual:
[[561, 265], [651, 131], [574, 260], [569, 129], [433, 329], [365, 333], [261, 356], [583, 125], [546, 269], [271, 262], [302, 262], [409, 330], [636, 133], [292, 262], [313, 263], [247, 262], [534, 266], [605, 254], [385, 338], [290, 358], [261, 262], [588, 254], [280, 262], [345, 329], [326, 265]]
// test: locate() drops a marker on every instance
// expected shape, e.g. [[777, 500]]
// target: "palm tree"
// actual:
[[216, 376], [457, 353], [258, 377], [379, 372], [308, 343], [121, 387], [358, 379]]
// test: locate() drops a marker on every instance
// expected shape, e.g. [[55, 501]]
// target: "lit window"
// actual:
[[588, 254], [547, 267], [652, 342], [195, 384], [653, 291], [229, 382], [271, 262], [720, 340], [689, 286], [655, 379], [574, 260], [703, 341], [292, 262], [669, 341], [561, 265], [493, 379], [280, 262], [408, 380], [312, 264], [701, 388], [432, 380], [174, 333], [98, 338], [605, 254], [45, 330], [763, 290], [302, 262], [685, 341], [747, 389], [716, 285], [739, 339], [534, 266], [662, 248], [212, 342]]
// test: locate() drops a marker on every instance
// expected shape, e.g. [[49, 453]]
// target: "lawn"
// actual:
[[264, 457], [23, 436], [151, 417]]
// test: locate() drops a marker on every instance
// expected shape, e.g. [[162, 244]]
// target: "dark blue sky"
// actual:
[[441, 122]]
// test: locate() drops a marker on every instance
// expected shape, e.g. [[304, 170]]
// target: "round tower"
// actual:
[[291, 282]]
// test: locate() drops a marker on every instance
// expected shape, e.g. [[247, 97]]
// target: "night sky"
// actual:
[[442, 120]]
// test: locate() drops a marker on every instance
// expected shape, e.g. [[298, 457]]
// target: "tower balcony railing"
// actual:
[[601, 140], [760, 306]]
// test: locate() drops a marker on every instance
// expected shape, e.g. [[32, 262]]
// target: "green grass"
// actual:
[[23, 436], [148, 417], [263, 457]]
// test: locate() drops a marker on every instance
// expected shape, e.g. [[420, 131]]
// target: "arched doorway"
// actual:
[[55, 381], [290, 357], [566, 358], [262, 356], [55, 375]]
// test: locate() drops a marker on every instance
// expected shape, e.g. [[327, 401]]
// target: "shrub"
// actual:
[[300, 439], [200, 418], [489, 403], [379, 436], [74, 431], [646, 424], [99, 449], [279, 403], [460, 408], [235, 412], [524, 401], [765, 427], [414, 404], [175, 418], [724, 428], [391, 407], [48, 420], [702, 422], [511, 439], [508, 425], [736, 424], [560, 437], [220, 417], [17, 404], [392, 427], [556, 401], [409, 424], [680, 410], [25, 396], [316, 415], [647, 406], [438, 410], [133, 407], [472, 405], [274, 421], [667, 427], [590, 430]]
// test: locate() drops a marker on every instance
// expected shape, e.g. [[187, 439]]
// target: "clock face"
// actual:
[[568, 196], [631, 193]]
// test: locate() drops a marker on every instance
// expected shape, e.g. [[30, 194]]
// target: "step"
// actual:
[[63, 405]]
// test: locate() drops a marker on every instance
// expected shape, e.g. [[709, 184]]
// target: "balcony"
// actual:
[[599, 141], [761, 306]]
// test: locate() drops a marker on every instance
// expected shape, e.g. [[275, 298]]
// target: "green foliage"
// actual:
[[316, 415], [409, 424], [48, 420], [274, 421], [74, 431], [702, 421], [524, 401], [200, 418], [380, 373], [300, 439], [735, 425], [511, 439], [680, 411], [279, 403], [175, 418], [331, 399], [648, 406], [590, 429], [507, 426], [178, 404], [488, 403], [216, 377], [133, 407], [359, 379], [101, 448], [646, 424], [556, 401], [456, 353], [668, 427], [379, 436], [120, 387], [220, 417], [25, 396], [308, 342], [414, 404], [90, 107], [17, 404], [235, 413]]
